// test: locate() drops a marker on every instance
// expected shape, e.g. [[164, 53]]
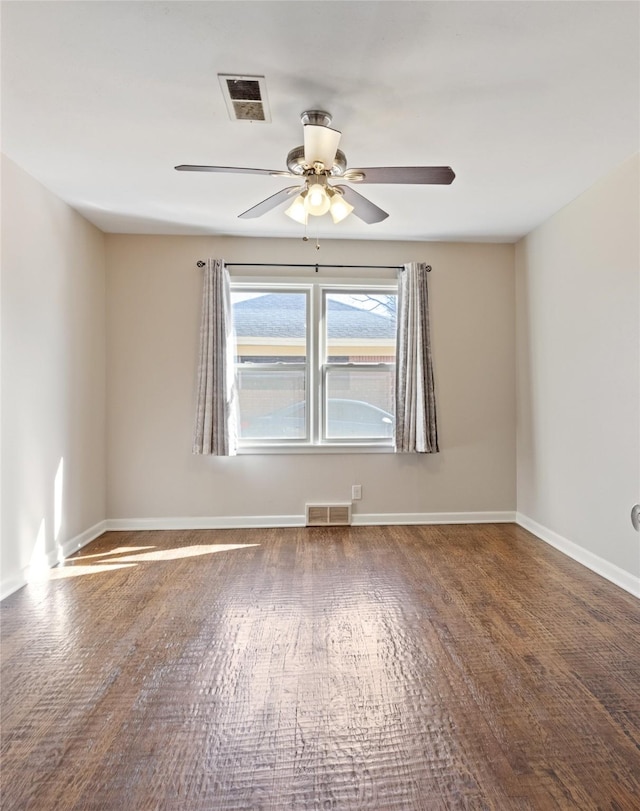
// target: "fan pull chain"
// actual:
[[305, 238]]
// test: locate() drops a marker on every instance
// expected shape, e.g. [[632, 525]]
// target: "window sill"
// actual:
[[296, 450]]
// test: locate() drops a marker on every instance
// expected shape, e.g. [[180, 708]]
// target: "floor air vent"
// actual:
[[328, 515]]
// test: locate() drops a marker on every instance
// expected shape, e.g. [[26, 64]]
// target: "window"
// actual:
[[315, 364]]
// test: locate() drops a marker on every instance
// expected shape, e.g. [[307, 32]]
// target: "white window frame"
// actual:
[[316, 366]]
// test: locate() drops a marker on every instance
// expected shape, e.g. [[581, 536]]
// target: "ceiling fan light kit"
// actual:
[[317, 200], [319, 160]]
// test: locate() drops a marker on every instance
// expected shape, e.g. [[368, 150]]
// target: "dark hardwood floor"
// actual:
[[405, 668]]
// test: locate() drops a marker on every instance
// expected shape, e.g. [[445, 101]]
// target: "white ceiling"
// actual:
[[529, 102]]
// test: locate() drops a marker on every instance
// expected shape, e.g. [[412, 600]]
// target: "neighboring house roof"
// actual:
[[282, 315]]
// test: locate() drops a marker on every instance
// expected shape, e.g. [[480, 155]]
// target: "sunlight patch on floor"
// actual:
[[105, 562], [186, 552], [119, 551]]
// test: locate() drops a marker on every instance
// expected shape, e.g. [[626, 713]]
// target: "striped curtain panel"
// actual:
[[215, 430], [416, 426]]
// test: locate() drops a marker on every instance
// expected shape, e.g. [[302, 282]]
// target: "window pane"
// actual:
[[360, 403], [270, 327], [272, 404], [361, 327]]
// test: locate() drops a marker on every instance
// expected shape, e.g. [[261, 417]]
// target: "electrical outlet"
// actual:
[[356, 492]]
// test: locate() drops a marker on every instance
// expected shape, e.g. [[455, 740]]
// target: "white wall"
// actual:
[[578, 362], [153, 293], [53, 377]]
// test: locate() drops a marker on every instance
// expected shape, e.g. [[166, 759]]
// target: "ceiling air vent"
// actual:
[[245, 97], [328, 515]]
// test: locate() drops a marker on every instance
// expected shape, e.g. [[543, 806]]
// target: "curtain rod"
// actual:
[[201, 264]]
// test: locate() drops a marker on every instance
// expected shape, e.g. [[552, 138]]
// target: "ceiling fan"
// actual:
[[318, 161]]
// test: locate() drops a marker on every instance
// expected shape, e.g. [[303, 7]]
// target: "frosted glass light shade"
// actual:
[[317, 202], [298, 211], [340, 209]]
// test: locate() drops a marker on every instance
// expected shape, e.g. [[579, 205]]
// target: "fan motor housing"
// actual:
[[297, 165]]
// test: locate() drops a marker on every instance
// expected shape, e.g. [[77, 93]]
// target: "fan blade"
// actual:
[[362, 208], [271, 202], [442, 175], [320, 144], [242, 170]]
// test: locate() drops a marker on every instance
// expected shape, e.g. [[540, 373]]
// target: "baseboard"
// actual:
[[604, 568], [215, 522], [619, 577], [10, 585], [381, 519], [54, 556], [83, 539], [266, 521]]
